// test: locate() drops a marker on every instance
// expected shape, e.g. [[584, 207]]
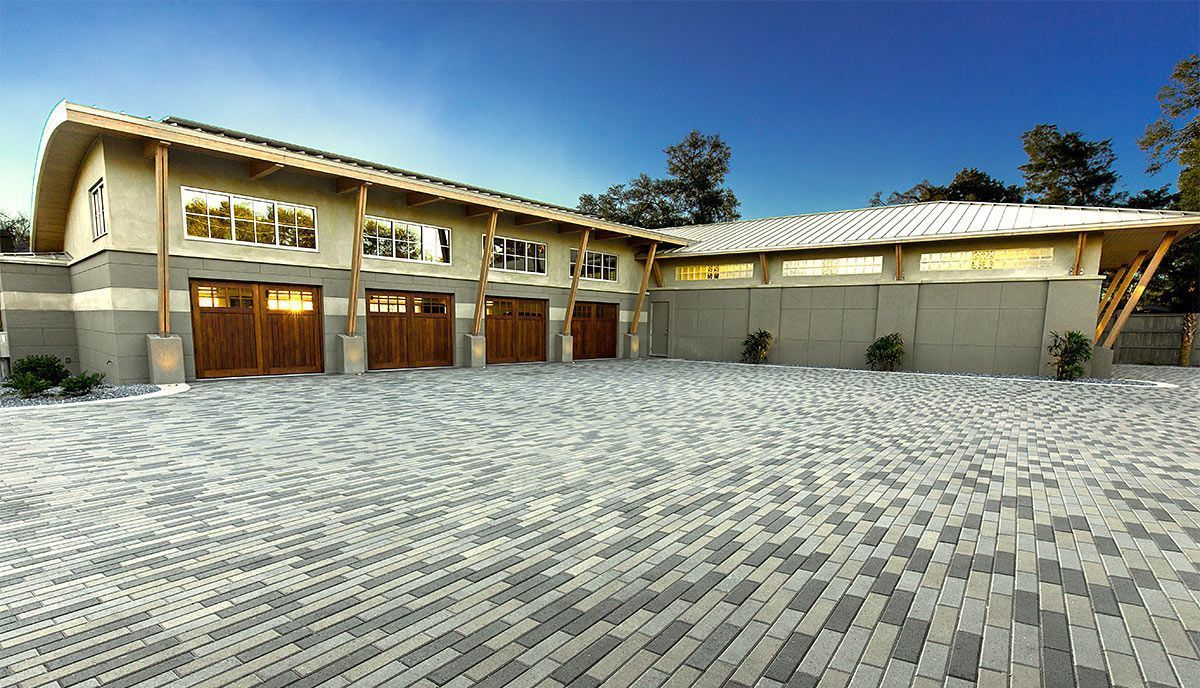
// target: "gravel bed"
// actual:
[[1046, 378], [10, 399]]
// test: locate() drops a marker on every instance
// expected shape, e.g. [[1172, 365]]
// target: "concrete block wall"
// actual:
[[998, 326], [36, 314]]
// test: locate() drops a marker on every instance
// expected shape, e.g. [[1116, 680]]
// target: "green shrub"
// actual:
[[1069, 351], [27, 384], [44, 366], [886, 353], [756, 345], [81, 384]]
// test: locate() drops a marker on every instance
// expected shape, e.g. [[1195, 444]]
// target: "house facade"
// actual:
[[171, 250]]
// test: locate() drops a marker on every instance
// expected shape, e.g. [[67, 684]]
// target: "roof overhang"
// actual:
[[71, 128]]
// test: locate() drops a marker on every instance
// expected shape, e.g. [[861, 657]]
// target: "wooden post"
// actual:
[[1143, 282], [762, 260], [360, 219], [1080, 243], [637, 309], [899, 263], [164, 275], [579, 260], [1112, 288], [658, 280], [1120, 293], [481, 292]]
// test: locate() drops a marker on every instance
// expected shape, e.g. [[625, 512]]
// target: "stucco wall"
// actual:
[[78, 241], [134, 221], [999, 326]]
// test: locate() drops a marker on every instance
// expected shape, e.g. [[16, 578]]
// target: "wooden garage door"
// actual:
[[516, 330], [407, 330], [256, 329], [594, 330]]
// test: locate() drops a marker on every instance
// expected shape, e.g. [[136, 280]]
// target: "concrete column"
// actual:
[[1102, 362], [476, 350], [165, 357], [563, 349], [353, 350], [632, 346]]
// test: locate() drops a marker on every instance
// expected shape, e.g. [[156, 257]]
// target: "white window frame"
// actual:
[[602, 254], [422, 227], [487, 250], [98, 208], [232, 221]]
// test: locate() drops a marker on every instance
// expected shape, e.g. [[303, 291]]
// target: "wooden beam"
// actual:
[[567, 228], [639, 241], [260, 169], [415, 199], [164, 248], [762, 260], [477, 210], [344, 186], [481, 292], [899, 262], [604, 235], [1112, 288], [579, 261], [150, 148], [658, 281], [637, 309], [1080, 243], [360, 219], [1143, 282], [1120, 293], [529, 221]]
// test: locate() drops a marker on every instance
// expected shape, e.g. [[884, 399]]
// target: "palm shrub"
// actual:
[[81, 384], [886, 353], [43, 366], [756, 345], [27, 384], [1069, 351]]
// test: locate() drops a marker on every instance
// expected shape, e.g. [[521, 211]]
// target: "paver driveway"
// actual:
[[615, 522]]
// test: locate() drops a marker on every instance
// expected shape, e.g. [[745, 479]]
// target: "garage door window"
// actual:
[[225, 297], [385, 303], [289, 300], [429, 306]]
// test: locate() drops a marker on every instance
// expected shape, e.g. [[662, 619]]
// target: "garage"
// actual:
[[409, 330], [242, 328], [516, 330], [594, 330]]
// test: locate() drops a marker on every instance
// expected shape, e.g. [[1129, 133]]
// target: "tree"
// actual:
[[970, 184], [1154, 199], [693, 194], [1175, 136], [14, 232], [1065, 168]]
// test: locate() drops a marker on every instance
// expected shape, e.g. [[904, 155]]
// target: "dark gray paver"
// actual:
[[606, 522]]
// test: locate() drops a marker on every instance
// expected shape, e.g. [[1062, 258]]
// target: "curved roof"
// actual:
[[71, 128], [932, 220]]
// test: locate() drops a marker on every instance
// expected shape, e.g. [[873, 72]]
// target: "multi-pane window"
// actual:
[[688, 273], [386, 303], [294, 300], [386, 238], [518, 255], [96, 199], [596, 265], [432, 306], [857, 265], [996, 259], [229, 217], [225, 297]]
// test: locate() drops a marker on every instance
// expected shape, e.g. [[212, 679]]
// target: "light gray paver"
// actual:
[[617, 523]]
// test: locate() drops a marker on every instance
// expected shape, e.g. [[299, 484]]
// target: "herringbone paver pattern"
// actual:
[[617, 523]]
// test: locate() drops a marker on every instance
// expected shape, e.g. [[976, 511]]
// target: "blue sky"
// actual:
[[823, 104]]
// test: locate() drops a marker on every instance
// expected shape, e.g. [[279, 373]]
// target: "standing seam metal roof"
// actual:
[[899, 223]]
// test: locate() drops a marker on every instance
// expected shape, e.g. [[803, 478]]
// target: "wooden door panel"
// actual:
[[291, 330], [224, 329], [594, 330], [387, 336], [431, 330]]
